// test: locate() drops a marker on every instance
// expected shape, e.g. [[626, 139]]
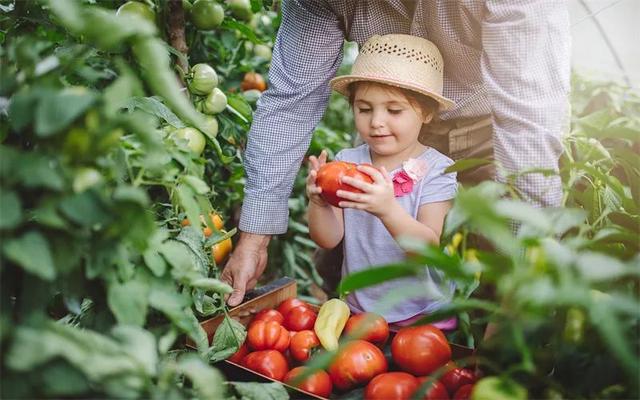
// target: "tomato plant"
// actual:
[[330, 176], [391, 385], [270, 363], [420, 350], [371, 327], [318, 383], [356, 363], [267, 335]]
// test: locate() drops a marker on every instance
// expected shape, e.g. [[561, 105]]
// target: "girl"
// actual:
[[395, 87]]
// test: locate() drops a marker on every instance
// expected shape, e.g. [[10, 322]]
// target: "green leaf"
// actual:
[[187, 200], [207, 381], [197, 184], [374, 276], [260, 391], [23, 105], [139, 344], [37, 171], [31, 251], [524, 213], [10, 209], [129, 301], [599, 267], [228, 338], [131, 194], [467, 163], [178, 256], [211, 284], [234, 25], [57, 111], [85, 209], [153, 106]]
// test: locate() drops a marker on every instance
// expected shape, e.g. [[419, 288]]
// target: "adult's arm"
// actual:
[[526, 69], [306, 55]]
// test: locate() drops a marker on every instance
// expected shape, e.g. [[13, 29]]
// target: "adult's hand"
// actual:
[[246, 265]]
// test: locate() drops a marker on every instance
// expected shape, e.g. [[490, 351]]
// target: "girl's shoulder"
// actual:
[[437, 161]]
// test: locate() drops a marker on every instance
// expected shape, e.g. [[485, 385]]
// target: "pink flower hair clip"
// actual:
[[412, 171]]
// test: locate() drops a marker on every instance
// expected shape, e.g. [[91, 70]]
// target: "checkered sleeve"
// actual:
[[526, 70], [306, 55]]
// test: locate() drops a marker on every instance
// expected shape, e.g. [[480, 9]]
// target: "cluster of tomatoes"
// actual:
[[278, 338]]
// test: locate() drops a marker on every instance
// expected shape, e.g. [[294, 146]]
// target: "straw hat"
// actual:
[[404, 61]]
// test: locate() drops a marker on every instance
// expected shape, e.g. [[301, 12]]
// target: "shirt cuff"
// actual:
[[264, 217]]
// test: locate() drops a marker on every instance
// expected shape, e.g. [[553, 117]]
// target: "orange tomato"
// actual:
[[215, 219], [253, 80], [221, 250]]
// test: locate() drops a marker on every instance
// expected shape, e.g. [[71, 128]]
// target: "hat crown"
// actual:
[[410, 48]]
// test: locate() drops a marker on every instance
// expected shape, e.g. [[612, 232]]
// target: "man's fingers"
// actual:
[[236, 296]]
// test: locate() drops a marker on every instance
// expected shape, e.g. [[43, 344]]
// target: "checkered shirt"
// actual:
[[506, 58]]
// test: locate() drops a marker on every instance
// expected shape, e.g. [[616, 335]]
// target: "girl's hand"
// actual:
[[378, 197], [313, 190]]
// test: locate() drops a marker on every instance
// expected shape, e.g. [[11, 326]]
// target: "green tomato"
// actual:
[[195, 139], [86, 178], [215, 102], [203, 79], [206, 14], [251, 95], [262, 51], [137, 9], [496, 388], [241, 9], [211, 126]]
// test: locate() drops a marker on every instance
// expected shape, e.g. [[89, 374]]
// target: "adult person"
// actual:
[[506, 68]]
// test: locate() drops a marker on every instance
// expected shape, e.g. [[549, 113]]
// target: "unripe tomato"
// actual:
[[391, 386], [457, 377], [268, 314], [252, 96], [206, 14], [221, 250], [215, 102], [290, 303], [368, 326], [356, 364], [262, 51], [241, 9], [463, 393], [203, 79], [270, 363], [437, 391], [253, 80], [211, 125], [317, 383], [194, 138], [302, 343], [497, 388], [240, 354], [267, 335], [86, 178], [330, 176], [300, 318], [137, 9], [420, 350]]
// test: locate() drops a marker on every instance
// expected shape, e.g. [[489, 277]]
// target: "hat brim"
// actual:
[[341, 85]]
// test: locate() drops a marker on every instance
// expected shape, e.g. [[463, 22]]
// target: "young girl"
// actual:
[[395, 87]]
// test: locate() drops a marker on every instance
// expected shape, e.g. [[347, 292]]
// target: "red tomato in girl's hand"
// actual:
[[317, 383], [368, 326], [239, 355], [330, 179], [270, 363], [301, 345], [464, 393], [300, 318], [457, 377], [420, 350], [356, 363], [268, 335], [437, 391], [268, 314], [290, 303], [391, 386]]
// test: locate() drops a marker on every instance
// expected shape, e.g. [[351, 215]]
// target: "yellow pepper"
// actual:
[[330, 322]]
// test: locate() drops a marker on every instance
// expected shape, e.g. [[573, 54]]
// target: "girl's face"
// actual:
[[387, 121]]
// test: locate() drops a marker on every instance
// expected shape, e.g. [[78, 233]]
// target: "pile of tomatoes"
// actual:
[[283, 337]]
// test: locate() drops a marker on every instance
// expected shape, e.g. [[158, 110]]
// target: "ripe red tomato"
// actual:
[[457, 377], [391, 386], [329, 179], [437, 391], [268, 335], [420, 350], [368, 326], [301, 345], [356, 364], [239, 355], [290, 303], [300, 318], [463, 393], [268, 314], [270, 363], [317, 383]]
